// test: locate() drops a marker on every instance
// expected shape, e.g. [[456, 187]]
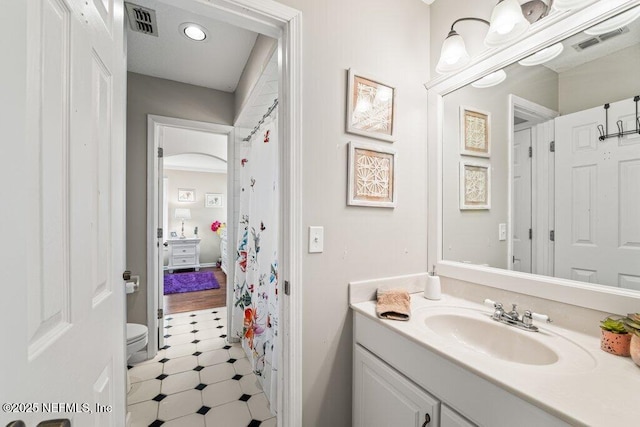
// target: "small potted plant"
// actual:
[[615, 339], [632, 325]]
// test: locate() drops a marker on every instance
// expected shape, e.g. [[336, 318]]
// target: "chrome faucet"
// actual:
[[513, 318]]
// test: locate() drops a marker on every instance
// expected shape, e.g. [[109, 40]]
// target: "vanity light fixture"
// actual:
[[570, 4], [193, 31], [509, 20], [545, 55], [614, 23], [507, 23], [490, 80], [454, 55]]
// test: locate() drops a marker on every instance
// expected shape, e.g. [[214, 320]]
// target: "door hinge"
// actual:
[[287, 287], [552, 235], [160, 313], [530, 233], [552, 146], [159, 233], [160, 152], [513, 259], [530, 151]]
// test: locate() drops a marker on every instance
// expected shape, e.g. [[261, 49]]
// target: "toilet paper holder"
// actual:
[[132, 285]]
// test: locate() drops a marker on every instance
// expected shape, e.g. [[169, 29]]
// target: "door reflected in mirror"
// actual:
[[564, 170]]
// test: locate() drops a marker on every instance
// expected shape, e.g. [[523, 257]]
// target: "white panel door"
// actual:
[[382, 397], [64, 345], [598, 198], [521, 201]]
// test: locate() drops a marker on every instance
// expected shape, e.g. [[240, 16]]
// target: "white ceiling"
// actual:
[[262, 97], [194, 150], [571, 58], [176, 140], [195, 162], [216, 63]]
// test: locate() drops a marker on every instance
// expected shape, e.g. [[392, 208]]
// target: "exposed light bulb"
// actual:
[[453, 55], [507, 23]]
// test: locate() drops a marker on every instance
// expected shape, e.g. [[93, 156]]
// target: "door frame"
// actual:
[[536, 114], [283, 23], [154, 142]]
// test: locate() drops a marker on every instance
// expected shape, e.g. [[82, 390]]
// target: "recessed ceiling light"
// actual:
[[193, 31]]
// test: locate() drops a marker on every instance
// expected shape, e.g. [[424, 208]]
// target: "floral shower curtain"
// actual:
[[255, 309]]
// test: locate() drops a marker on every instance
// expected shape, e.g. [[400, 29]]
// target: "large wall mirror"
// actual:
[[537, 177]]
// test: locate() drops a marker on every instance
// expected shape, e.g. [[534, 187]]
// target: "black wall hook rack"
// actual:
[[604, 130]]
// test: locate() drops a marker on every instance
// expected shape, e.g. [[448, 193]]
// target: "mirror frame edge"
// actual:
[[597, 297]]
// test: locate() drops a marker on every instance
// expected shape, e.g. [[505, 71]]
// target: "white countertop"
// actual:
[[600, 390]]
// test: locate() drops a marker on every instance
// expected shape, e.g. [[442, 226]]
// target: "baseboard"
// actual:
[[202, 264]]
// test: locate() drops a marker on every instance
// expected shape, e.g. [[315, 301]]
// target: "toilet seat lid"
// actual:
[[135, 331]]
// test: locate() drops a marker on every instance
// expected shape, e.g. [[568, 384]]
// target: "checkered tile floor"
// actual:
[[198, 379]]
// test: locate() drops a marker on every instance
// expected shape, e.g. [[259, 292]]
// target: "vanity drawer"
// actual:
[[184, 260]]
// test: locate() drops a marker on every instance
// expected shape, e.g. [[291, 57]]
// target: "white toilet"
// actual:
[[137, 334], [137, 338]]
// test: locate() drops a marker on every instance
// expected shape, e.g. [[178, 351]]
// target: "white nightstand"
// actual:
[[223, 250], [184, 253]]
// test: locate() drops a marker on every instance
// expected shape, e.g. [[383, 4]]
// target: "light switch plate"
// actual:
[[316, 239], [502, 231]]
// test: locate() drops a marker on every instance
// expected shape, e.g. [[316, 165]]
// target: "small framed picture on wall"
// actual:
[[475, 132], [371, 107], [186, 195], [475, 186], [213, 200], [372, 175]]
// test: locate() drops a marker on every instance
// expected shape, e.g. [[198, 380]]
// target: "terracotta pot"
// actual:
[[618, 344], [635, 348]]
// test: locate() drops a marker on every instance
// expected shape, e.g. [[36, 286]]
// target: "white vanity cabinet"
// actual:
[[450, 418], [396, 378], [385, 398], [184, 253]]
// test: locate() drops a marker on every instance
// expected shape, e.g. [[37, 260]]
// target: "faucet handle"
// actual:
[[541, 317], [491, 303], [528, 317]]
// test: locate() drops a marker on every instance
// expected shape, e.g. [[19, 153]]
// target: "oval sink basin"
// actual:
[[487, 336]]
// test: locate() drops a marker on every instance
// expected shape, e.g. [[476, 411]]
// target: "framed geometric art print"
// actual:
[[370, 107], [475, 185], [475, 132], [372, 175]]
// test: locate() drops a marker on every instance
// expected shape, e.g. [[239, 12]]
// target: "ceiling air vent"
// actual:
[[142, 19], [599, 39]]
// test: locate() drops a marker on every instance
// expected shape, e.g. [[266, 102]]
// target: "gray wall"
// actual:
[[258, 60], [151, 95], [389, 40], [608, 79], [201, 216]]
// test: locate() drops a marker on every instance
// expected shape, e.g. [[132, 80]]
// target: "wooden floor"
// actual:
[[199, 300]]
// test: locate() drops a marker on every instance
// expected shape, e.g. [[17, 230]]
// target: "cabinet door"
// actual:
[[450, 418], [385, 398]]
